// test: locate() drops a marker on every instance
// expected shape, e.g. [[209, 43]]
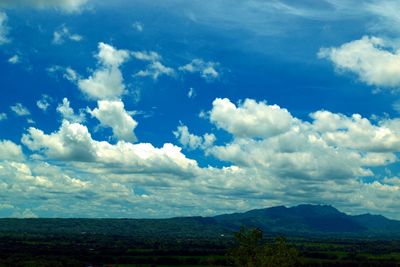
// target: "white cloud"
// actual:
[[369, 58], [250, 119], [67, 73], [146, 55], [113, 114], [44, 102], [20, 110], [138, 26], [385, 15], [296, 164], [68, 113], [3, 116], [155, 70], [396, 106], [10, 151], [63, 33], [187, 139], [191, 93], [33, 183], [14, 59], [70, 75], [332, 146], [6, 206], [106, 82], [73, 142], [207, 70], [63, 5], [110, 56], [192, 141], [357, 133], [3, 29], [26, 214]]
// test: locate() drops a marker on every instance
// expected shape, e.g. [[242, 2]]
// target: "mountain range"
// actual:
[[301, 220], [311, 220]]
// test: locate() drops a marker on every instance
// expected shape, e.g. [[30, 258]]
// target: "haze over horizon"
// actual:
[[177, 108]]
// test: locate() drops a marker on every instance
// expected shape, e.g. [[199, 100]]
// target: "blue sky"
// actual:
[[171, 108]]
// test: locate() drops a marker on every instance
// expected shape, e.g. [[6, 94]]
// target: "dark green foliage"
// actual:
[[248, 249], [279, 254], [322, 235], [251, 251]]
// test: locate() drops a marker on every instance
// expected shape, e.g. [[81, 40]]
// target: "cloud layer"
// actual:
[[272, 158], [85, 155], [3, 28], [64, 5]]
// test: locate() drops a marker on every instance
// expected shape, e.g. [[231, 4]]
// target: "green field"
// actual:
[[82, 242]]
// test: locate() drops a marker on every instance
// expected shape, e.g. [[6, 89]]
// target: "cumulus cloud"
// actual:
[[73, 142], [110, 56], [63, 5], [270, 139], [207, 70], [113, 114], [370, 58], [271, 158], [10, 151], [20, 110], [44, 102], [250, 118], [3, 29], [191, 141], [63, 33], [107, 81], [68, 113], [33, 183], [357, 132]]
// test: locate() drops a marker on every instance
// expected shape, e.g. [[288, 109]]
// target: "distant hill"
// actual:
[[312, 220], [302, 220]]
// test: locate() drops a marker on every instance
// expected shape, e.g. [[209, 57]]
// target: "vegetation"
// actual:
[[196, 241], [252, 251], [51, 248]]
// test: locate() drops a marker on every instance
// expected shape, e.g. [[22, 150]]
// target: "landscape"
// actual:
[[320, 235], [246, 133]]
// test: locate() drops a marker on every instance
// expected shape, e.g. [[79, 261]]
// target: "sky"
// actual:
[[153, 109]]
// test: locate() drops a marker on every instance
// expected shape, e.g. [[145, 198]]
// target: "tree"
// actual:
[[251, 251], [248, 247]]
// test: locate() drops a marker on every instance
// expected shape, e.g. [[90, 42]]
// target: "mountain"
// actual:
[[312, 220], [302, 220]]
